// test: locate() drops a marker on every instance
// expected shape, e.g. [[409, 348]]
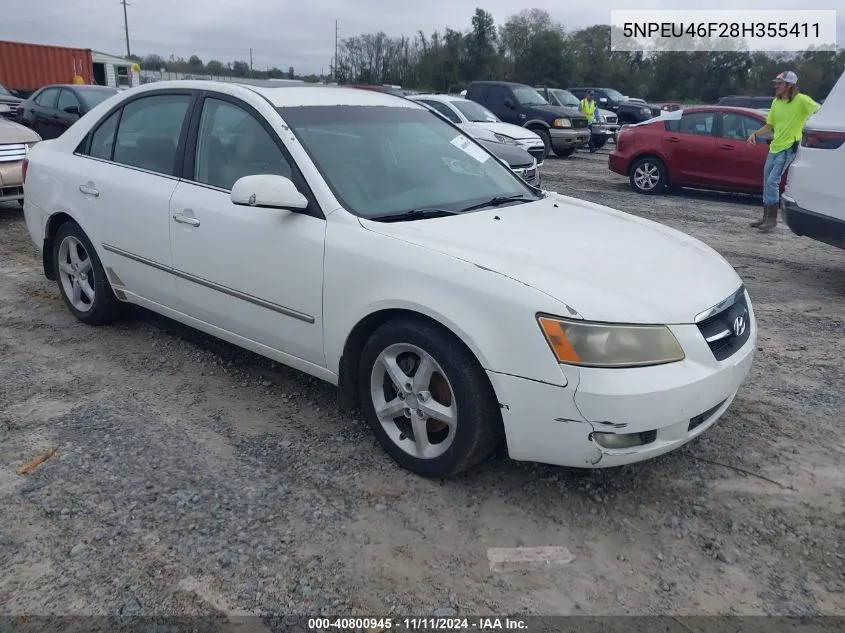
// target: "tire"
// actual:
[[600, 143], [565, 153], [547, 139], [648, 176], [455, 383], [80, 274]]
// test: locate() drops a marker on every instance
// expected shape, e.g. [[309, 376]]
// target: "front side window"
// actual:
[[738, 127], [149, 130], [475, 112], [443, 109], [232, 144], [67, 100], [566, 98], [382, 160]]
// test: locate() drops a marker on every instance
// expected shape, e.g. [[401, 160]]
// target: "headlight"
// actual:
[[605, 345], [507, 140], [562, 123], [645, 110]]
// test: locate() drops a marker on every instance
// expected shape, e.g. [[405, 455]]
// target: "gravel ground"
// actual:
[[193, 478]]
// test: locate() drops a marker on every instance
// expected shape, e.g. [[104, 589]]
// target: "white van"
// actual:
[[813, 202]]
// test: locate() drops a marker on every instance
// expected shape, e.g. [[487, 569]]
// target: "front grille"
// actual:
[[12, 153], [701, 418], [11, 192], [529, 175], [728, 329], [539, 153], [611, 119], [579, 123]]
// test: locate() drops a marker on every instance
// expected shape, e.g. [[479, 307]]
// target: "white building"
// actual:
[[116, 72]]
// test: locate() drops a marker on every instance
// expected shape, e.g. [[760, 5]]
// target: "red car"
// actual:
[[702, 147]]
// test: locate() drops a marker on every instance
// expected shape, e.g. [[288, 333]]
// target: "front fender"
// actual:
[[537, 123], [495, 316]]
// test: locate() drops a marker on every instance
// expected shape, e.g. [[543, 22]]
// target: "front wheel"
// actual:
[[565, 153], [427, 399], [81, 277], [547, 140], [648, 175]]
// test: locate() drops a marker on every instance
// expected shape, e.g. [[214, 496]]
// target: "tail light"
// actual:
[[823, 140], [24, 166]]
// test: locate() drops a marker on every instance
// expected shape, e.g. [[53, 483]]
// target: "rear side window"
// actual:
[[102, 140], [148, 135], [67, 100], [496, 96], [48, 98], [700, 123]]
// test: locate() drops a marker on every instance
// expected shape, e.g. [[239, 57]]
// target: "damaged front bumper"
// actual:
[[612, 417]]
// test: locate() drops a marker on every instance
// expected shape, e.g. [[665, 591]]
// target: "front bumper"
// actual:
[[11, 181], [535, 148], [568, 138], [605, 129], [665, 406], [816, 226]]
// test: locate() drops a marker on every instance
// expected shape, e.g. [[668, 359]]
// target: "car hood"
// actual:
[[604, 264], [514, 156], [10, 100], [11, 132], [508, 129], [556, 110]]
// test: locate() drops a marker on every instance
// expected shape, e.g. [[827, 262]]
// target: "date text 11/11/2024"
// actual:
[[381, 625]]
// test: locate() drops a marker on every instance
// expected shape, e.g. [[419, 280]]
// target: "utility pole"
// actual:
[[335, 51], [250, 62], [126, 26]]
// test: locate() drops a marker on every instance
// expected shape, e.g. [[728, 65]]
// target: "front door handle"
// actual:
[[184, 219], [89, 190], [727, 147], [673, 139]]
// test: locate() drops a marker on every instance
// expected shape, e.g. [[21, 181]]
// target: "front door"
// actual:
[[43, 109], [257, 273]]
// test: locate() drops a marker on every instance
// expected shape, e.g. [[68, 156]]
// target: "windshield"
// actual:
[[616, 96], [529, 96], [3, 91], [566, 98], [383, 160], [475, 112], [95, 96]]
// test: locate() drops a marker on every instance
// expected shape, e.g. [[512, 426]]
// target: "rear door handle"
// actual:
[[673, 139], [727, 147], [184, 219], [89, 191]]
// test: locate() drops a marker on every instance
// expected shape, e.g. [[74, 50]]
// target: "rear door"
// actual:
[[740, 166], [689, 145], [44, 107]]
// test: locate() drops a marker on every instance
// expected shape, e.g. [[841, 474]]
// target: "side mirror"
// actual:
[[72, 110], [510, 103], [268, 191]]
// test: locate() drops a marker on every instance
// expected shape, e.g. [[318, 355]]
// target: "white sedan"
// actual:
[[480, 123], [364, 240]]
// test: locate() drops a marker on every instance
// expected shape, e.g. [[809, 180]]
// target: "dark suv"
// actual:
[[627, 111], [562, 130], [757, 103]]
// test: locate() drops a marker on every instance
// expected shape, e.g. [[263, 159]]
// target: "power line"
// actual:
[[250, 62], [335, 50], [126, 26]]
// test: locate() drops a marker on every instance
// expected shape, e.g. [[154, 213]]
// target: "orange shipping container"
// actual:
[[30, 66]]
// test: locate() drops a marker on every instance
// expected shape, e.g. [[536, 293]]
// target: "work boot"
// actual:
[[758, 223], [771, 219]]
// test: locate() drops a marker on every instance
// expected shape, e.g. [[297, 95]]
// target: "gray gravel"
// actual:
[[195, 478]]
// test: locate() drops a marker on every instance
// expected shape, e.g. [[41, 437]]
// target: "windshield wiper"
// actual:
[[498, 201], [413, 214]]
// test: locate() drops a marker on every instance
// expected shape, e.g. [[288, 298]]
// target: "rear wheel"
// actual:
[[565, 153], [427, 399], [648, 175], [81, 277], [600, 142]]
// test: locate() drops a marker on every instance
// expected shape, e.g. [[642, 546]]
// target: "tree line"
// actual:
[[532, 48]]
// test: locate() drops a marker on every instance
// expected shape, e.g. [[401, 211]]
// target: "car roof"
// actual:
[[439, 97], [722, 108], [289, 96], [500, 83]]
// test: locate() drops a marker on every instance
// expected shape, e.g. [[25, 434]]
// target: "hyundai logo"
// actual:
[[739, 325]]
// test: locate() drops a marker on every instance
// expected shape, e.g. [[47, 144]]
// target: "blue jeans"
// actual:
[[776, 164]]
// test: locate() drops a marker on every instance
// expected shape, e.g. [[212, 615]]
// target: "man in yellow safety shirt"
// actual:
[[588, 107], [787, 116]]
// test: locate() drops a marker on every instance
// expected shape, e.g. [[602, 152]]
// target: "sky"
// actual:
[[299, 34]]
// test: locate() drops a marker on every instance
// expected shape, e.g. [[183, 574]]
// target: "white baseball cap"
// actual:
[[787, 77]]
